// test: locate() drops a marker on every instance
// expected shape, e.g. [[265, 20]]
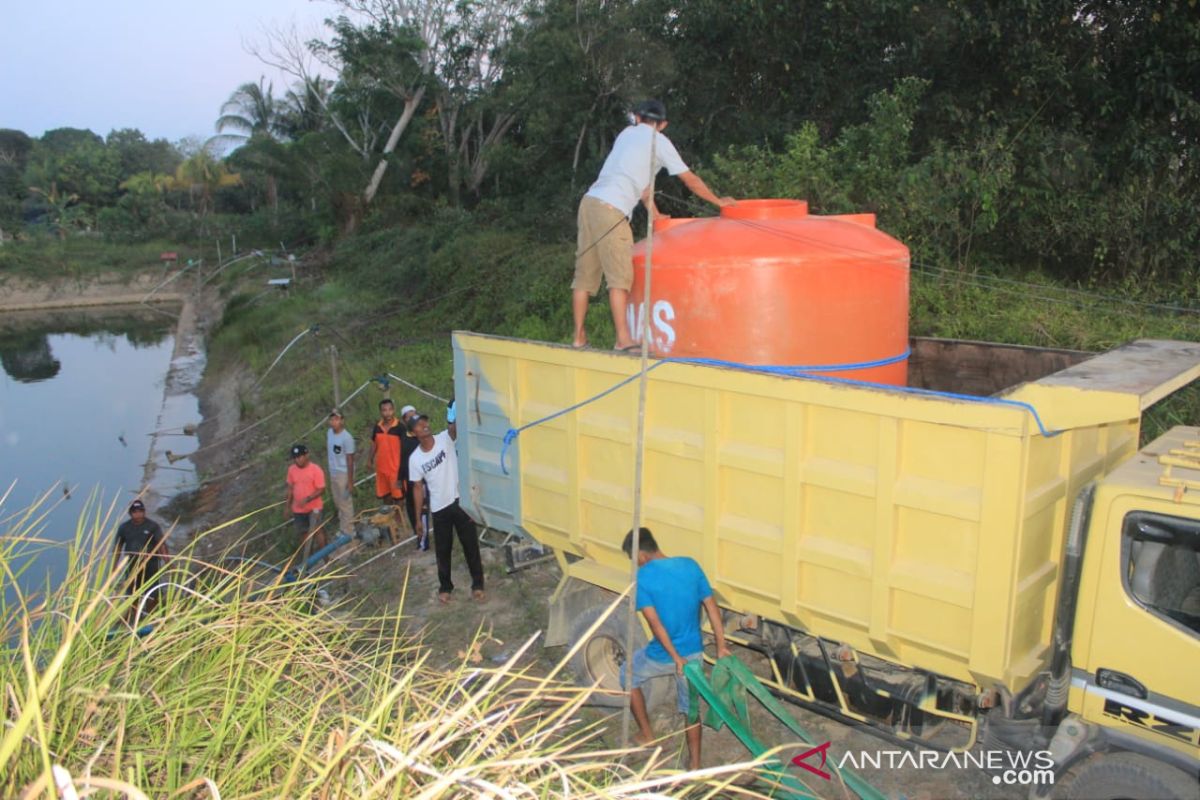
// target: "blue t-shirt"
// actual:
[[675, 587]]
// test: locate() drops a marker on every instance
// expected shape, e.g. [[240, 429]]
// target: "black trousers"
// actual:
[[409, 507], [446, 522]]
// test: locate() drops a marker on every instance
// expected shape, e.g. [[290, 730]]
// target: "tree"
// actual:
[[69, 161], [250, 111], [302, 108], [578, 68], [387, 55], [382, 54], [15, 147], [201, 175], [473, 113], [137, 154], [251, 118], [144, 197], [60, 207]]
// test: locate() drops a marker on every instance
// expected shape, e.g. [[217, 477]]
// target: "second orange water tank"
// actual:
[[766, 283]]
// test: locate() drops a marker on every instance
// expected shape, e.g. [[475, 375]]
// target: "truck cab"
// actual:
[[1135, 654]]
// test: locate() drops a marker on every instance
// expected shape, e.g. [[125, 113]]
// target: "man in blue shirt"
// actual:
[[670, 594]]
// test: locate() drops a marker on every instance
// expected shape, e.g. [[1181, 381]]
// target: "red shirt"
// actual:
[[306, 480]]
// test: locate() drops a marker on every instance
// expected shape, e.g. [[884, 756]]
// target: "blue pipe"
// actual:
[[339, 541]]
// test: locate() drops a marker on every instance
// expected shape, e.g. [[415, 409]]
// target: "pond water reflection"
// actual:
[[79, 395]]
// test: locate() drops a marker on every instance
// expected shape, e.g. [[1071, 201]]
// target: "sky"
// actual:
[[162, 66]]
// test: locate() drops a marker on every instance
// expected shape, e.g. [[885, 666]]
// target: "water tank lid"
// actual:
[[766, 209]]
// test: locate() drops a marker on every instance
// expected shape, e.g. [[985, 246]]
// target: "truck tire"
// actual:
[[1126, 776], [599, 660]]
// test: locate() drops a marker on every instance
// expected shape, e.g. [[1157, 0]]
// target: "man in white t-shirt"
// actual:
[[605, 240], [436, 461]]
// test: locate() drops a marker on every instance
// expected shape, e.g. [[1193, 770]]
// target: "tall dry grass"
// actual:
[[241, 687]]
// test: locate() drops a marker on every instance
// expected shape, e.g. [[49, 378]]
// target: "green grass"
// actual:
[[388, 300], [243, 687], [85, 257]]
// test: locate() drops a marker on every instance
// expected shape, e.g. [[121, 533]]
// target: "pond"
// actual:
[[81, 394]]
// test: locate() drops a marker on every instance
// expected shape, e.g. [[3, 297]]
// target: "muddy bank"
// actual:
[[20, 294], [169, 471]]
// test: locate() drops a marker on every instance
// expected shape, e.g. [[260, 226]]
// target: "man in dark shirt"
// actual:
[[142, 541], [408, 444]]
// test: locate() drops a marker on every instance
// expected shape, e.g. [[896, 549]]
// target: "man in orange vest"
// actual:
[[386, 447]]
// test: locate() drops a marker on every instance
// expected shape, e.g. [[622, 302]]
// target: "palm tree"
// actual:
[[251, 110], [59, 205], [202, 175], [302, 109], [252, 114]]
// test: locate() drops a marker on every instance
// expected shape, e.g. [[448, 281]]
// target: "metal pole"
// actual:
[[639, 444], [337, 389]]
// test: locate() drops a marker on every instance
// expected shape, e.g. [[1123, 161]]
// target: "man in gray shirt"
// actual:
[[339, 448]]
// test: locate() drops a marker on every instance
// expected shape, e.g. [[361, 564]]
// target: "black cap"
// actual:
[[137, 505], [652, 110], [336, 412], [414, 419], [299, 450]]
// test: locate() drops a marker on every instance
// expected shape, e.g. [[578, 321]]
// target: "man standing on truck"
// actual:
[[670, 594], [605, 241]]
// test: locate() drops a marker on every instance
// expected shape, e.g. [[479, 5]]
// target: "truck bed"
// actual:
[[916, 527]]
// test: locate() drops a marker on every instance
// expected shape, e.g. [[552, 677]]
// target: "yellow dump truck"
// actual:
[[983, 558]]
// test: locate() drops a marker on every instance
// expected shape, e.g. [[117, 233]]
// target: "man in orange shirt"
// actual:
[[305, 490], [386, 446]]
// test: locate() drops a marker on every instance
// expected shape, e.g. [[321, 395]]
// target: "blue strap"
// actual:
[[808, 371]]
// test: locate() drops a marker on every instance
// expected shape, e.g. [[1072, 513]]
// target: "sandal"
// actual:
[[479, 595], [636, 347], [444, 598]]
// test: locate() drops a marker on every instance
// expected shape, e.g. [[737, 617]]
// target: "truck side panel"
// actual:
[[913, 528]]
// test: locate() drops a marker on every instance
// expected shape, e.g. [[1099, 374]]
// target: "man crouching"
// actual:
[[670, 593]]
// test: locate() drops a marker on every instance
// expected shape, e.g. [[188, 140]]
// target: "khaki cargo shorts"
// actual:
[[604, 246]]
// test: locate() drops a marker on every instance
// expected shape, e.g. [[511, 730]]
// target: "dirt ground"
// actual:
[[516, 609]]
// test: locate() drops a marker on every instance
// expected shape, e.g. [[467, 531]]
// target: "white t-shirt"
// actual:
[[439, 468], [626, 171]]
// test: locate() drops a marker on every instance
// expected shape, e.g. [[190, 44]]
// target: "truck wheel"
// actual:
[[1126, 776], [599, 660]]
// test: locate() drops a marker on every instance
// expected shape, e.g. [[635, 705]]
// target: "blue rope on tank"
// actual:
[[790, 369], [810, 371]]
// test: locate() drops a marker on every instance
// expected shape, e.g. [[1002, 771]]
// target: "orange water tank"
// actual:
[[766, 283]]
